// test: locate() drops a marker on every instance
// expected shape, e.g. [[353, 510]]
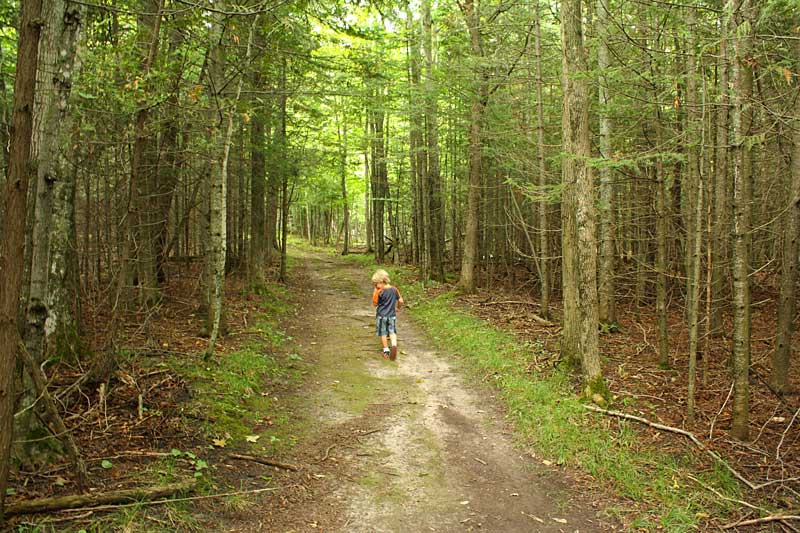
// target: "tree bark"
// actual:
[[721, 226], [694, 224], [578, 179], [258, 175], [480, 98], [57, 52], [544, 241], [606, 309], [433, 174], [787, 304], [743, 17], [341, 131], [15, 210], [218, 209], [46, 311]]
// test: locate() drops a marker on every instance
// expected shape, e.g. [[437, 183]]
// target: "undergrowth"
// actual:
[[240, 399]]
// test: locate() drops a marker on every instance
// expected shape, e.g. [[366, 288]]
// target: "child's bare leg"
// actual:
[[393, 338], [384, 341]]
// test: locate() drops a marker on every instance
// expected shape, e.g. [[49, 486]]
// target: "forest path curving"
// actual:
[[405, 446]]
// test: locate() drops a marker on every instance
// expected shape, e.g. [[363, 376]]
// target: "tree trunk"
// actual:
[[433, 174], [579, 181], [57, 52], [694, 223], [480, 98], [258, 175], [787, 306], [142, 177], [218, 195], [721, 226], [420, 200], [367, 182], [743, 17], [52, 225], [341, 131], [283, 165], [15, 210], [544, 241], [607, 309]]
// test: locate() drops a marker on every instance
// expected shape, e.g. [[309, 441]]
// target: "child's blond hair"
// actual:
[[380, 276]]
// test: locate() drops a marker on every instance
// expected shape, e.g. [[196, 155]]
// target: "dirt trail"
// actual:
[[408, 445]]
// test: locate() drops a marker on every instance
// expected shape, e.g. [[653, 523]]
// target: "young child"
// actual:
[[387, 301]]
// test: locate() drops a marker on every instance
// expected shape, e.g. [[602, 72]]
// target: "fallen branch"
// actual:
[[683, 432], [722, 496], [539, 320], [327, 454], [764, 520], [187, 499], [60, 503], [263, 461]]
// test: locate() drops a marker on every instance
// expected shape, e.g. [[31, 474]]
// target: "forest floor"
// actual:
[[361, 443], [431, 442]]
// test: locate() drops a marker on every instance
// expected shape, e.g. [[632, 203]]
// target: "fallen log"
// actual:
[[59, 503], [263, 461]]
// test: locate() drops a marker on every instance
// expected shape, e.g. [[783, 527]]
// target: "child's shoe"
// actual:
[[393, 353], [386, 353]]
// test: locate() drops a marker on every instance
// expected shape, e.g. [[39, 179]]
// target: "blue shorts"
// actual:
[[384, 325]]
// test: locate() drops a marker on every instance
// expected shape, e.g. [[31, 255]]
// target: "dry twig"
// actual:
[[763, 520], [263, 461]]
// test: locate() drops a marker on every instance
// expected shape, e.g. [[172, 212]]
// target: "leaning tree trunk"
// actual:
[[744, 18], [578, 176], [787, 307], [15, 210]]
